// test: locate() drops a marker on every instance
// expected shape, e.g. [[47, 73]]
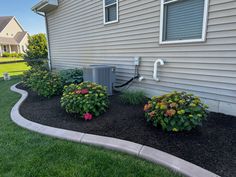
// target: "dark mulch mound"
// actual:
[[212, 146]]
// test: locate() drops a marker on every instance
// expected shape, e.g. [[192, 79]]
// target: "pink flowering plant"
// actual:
[[88, 116], [87, 99], [176, 111]]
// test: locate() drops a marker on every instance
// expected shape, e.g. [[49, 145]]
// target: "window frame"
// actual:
[[204, 25], [104, 12]]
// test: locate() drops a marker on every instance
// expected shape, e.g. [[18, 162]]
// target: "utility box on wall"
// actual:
[[100, 74]]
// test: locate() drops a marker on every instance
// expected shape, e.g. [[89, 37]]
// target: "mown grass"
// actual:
[[7, 59], [14, 69], [27, 154]]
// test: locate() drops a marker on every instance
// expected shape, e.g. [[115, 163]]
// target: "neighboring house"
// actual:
[[195, 38], [13, 38]]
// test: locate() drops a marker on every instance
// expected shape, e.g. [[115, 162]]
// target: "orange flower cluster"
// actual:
[[151, 114], [147, 107], [170, 112]]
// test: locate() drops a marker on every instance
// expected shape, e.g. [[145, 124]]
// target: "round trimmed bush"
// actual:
[[87, 99], [43, 82], [176, 111], [27, 74]]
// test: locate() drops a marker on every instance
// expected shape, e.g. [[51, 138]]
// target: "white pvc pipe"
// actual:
[[158, 61]]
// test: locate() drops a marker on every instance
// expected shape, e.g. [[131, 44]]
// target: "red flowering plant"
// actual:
[[88, 116], [86, 99], [176, 111]]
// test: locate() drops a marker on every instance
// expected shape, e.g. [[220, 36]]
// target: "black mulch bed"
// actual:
[[212, 146]]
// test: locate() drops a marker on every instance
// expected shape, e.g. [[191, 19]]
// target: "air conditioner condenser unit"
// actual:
[[100, 74]]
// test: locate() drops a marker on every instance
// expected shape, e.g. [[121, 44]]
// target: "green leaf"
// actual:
[[172, 122]]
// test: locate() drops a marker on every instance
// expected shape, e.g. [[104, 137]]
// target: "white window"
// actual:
[[110, 11], [183, 21]]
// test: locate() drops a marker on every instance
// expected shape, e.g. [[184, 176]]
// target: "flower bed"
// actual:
[[210, 146]]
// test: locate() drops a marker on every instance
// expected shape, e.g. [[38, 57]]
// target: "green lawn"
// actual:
[[13, 69], [7, 59], [27, 154]]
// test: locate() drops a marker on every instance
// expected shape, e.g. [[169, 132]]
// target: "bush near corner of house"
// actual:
[[176, 111], [43, 82], [133, 97], [13, 55], [87, 99], [5, 54], [26, 74], [20, 55], [71, 76]]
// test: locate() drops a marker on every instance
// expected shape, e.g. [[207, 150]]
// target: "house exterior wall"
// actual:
[[7, 48], [25, 43], [208, 69], [14, 48], [11, 29], [1, 49]]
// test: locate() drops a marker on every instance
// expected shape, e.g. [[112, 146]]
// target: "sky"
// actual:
[[21, 9]]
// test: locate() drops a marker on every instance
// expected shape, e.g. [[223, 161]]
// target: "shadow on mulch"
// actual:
[[212, 146]]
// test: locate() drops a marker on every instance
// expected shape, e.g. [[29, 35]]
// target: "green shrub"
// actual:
[[13, 55], [176, 111], [20, 55], [71, 76], [37, 50], [5, 54], [87, 99], [44, 83], [26, 74], [133, 97]]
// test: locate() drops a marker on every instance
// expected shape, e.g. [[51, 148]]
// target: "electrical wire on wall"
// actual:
[[129, 82]]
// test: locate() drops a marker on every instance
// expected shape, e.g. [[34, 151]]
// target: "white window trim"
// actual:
[[204, 25], [104, 12]]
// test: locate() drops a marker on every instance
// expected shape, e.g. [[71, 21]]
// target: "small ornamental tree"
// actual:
[[37, 49]]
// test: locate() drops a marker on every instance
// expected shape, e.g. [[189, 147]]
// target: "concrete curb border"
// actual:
[[159, 157]]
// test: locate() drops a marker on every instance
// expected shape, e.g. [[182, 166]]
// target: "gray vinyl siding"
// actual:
[[208, 69]]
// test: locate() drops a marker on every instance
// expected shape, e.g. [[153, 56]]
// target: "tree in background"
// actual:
[[37, 51]]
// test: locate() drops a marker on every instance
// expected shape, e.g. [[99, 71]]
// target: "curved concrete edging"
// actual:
[[142, 151]]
